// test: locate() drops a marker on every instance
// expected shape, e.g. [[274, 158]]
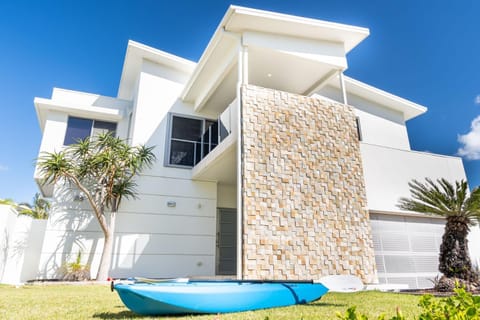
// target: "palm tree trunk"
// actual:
[[106, 259], [454, 260]]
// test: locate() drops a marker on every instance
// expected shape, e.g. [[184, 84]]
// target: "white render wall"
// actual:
[[227, 196], [387, 172], [379, 125], [152, 239], [21, 238]]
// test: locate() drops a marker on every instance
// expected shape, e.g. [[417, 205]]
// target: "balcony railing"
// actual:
[[216, 132]]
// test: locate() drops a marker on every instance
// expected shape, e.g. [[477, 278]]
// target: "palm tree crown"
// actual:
[[461, 211]]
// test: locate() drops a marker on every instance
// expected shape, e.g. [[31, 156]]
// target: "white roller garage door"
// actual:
[[406, 249]]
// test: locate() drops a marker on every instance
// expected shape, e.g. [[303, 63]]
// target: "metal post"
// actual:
[[342, 86], [240, 81]]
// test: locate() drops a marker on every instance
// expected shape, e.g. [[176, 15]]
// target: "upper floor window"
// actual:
[[80, 128], [359, 128], [190, 140]]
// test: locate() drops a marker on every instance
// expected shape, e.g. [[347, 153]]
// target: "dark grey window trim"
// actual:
[[92, 126], [359, 128], [166, 158]]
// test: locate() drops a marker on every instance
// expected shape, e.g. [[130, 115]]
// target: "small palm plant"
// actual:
[[76, 271], [461, 210]]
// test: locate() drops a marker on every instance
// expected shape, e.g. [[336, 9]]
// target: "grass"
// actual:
[[97, 302]]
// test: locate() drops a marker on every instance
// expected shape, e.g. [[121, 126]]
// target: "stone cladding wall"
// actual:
[[304, 203]]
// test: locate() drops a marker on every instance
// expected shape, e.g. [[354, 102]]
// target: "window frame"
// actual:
[[92, 127], [359, 128], [168, 142]]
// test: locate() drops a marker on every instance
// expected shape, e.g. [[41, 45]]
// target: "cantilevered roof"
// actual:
[[408, 108], [238, 20]]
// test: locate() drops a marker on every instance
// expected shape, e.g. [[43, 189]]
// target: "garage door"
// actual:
[[406, 249]]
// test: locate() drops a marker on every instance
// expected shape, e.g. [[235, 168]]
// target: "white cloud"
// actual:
[[477, 99], [3, 168], [471, 141]]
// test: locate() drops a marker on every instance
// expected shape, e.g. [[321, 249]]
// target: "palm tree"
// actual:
[[38, 210], [102, 168], [461, 211]]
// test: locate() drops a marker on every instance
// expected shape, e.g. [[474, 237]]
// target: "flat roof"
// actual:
[[240, 19]]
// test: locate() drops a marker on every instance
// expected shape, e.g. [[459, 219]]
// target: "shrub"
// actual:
[[75, 271], [461, 306]]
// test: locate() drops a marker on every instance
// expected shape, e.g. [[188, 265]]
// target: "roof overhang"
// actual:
[[240, 19], [136, 54], [81, 104], [242, 25], [408, 108]]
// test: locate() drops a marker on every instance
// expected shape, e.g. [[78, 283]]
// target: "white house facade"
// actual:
[[271, 163]]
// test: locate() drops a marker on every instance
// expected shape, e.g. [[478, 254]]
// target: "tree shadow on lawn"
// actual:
[[322, 304], [118, 315], [124, 314], [131, 315]]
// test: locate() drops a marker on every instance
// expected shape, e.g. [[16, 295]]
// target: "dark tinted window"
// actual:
[[182, 153], [191, 139], [77, 129], [186, 129], [100, 127]]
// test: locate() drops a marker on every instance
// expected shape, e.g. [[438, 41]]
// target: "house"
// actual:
[[271, 162]]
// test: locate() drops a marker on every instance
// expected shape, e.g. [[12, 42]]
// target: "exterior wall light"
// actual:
[[79, 197]]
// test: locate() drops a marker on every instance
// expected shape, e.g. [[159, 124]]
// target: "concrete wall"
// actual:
[[303, 192], [21, 238]]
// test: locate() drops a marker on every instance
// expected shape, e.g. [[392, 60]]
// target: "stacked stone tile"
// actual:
[[304, 203]]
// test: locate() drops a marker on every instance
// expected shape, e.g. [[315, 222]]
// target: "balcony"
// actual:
[[218, 160], [387, 172]]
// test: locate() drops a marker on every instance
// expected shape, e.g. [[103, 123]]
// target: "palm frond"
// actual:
[[442, 198]]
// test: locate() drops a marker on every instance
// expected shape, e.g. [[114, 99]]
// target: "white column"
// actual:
[[342, 86], [240, 81], [245, 64]]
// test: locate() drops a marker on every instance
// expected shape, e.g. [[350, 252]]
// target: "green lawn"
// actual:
[[97, 302]]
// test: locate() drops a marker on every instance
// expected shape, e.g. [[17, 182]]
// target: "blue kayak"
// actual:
[[200, 296]]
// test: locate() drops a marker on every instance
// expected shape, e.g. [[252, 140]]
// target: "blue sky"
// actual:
[[425, 51]]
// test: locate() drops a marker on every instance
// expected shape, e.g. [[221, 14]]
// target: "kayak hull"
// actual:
[[193, 297]]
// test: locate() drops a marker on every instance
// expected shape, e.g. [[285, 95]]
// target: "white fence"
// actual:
[[21, 240]]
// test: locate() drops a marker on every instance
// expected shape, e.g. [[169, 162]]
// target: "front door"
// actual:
[[226, 242]]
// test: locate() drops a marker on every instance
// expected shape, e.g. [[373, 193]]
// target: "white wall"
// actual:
[[54, 132], [227, 196], [152, 239], [21, 238], [387, 172], [379, 125], [474, 246]]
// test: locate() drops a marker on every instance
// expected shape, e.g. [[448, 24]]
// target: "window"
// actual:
[[80, 128], [191, 139], [359, 128]]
